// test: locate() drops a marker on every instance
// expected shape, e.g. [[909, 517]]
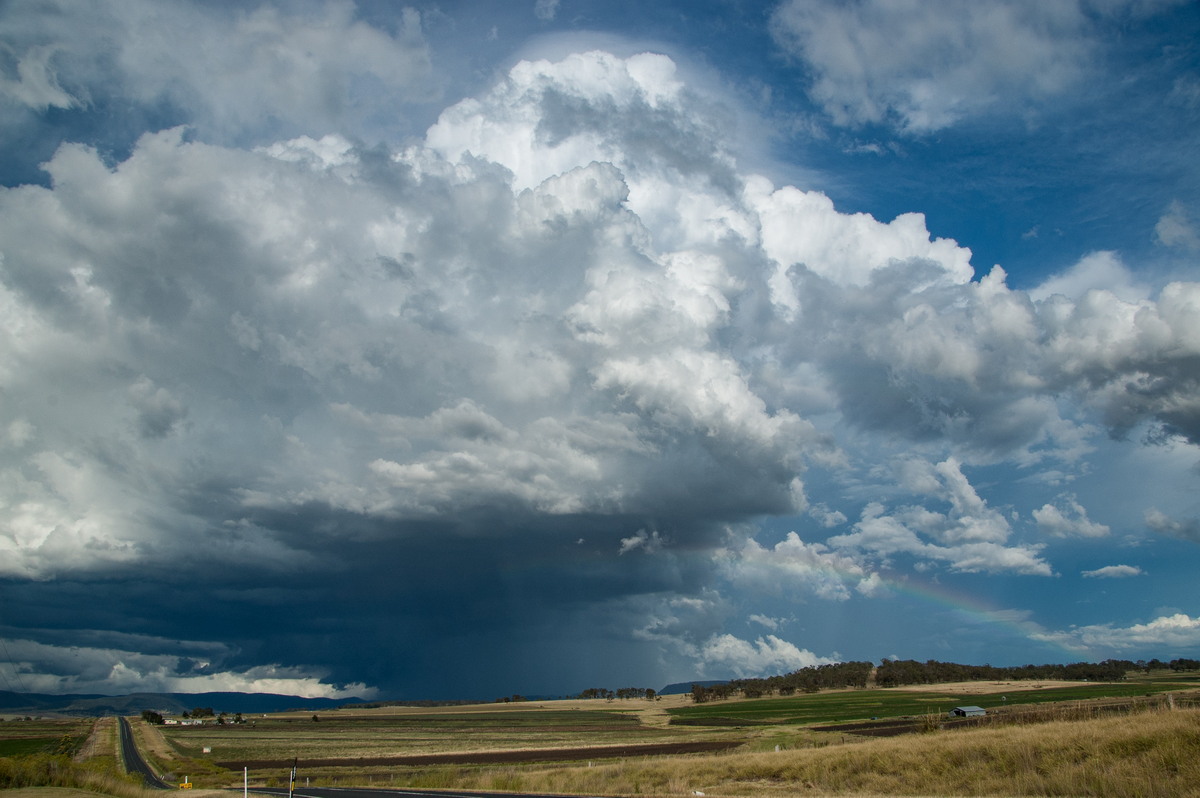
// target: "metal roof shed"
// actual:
[[968, 712]]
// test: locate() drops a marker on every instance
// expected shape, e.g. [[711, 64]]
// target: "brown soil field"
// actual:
[[505, 757]]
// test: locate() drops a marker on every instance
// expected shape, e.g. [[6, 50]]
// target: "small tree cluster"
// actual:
[[622, 693]]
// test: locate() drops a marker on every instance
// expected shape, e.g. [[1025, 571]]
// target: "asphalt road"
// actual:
[[134, 762]]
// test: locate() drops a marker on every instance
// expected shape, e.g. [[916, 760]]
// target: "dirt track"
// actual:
[[500, 757]]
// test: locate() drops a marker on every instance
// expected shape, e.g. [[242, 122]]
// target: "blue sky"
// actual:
[[443, 350]]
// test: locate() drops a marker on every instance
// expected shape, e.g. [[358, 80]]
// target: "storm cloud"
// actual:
[[524, 384]]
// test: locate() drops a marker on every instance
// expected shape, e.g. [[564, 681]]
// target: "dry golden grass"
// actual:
[[1154, 755], [101, 743]]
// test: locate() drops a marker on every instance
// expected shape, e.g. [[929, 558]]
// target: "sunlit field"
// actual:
[[842, 705], [399, 733]]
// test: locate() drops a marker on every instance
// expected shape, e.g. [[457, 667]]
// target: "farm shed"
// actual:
[[968, 712]]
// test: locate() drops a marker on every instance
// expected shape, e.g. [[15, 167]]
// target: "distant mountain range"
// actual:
[[165, 703]]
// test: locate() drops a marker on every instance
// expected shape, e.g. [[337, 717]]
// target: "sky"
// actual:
[[411, 350]]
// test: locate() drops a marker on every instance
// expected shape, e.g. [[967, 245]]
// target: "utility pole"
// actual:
[[292, 779]]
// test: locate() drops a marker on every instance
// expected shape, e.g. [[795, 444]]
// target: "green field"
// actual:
[[27, 745], [21, 737], [893, 703]]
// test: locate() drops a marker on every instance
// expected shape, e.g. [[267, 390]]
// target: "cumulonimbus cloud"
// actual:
[[569, 302], [562, 349]]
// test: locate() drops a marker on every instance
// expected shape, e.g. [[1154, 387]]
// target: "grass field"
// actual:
[[1055, 750], [897, 702], [27, 745], [398, 732], [23, 737]]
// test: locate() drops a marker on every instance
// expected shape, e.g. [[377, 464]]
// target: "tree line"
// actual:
[[894, 673], [156, 718], [891, 673], [808, 680], [623, 693]]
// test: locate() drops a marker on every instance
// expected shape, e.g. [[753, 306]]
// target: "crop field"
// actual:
[[22, 737], [400, 734], [1113, 739], [894, 702], [1154, 753]]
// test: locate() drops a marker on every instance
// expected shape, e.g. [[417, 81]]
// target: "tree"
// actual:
[[150, 716]]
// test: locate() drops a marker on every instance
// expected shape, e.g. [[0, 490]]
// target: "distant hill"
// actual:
[[166, 703], [686, 687]]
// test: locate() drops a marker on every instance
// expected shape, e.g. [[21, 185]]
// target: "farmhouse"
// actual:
[[967, 712]]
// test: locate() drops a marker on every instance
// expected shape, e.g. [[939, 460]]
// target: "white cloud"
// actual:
[[872, 586], [305, 68], [1097, 271], [766, 656], [763, 620], [648, 542], [1186, 529], [54, 669], [1114, 572], [826, 517], [925, 66], [981, 365], [1071, 522], [791, 566], [1177, 631], [969, 536], [36, 83], [1175, 229], [545, 9]]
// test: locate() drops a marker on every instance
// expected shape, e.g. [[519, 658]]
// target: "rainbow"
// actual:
[[975, 610]]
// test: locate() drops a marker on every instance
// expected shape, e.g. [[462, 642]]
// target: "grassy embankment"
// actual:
[[1155, 755], [50, 758]]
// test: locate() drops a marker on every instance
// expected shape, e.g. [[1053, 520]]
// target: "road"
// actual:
[[134, 762]]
